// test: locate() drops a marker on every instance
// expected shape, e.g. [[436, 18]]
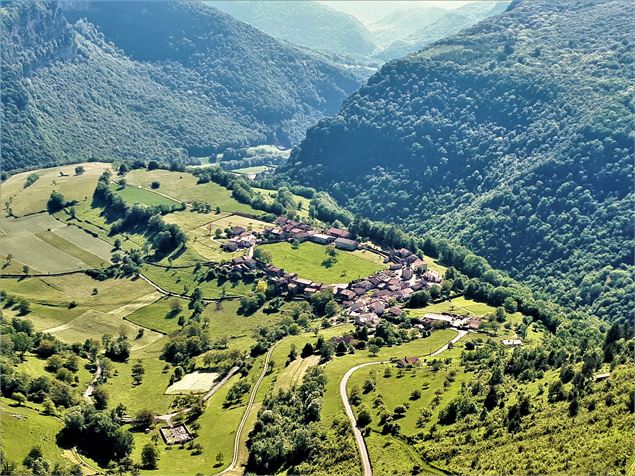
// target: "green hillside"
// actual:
[[513, 138], [103, 80]]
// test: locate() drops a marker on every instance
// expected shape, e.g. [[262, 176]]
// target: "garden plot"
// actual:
[[195, 382], [49, 246]]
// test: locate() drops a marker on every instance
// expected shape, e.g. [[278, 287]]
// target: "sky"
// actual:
[[368, 11]]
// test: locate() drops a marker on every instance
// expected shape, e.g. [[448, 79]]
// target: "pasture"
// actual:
[[56, 300], [47, 245], [183, 186], [23, 201], [308, 262], [95, 324], [194, 382], [158, 315], [250, 224], [184, 281], [142, 196], [23, 428]]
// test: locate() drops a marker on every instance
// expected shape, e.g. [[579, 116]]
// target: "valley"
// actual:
[[315, 237], [147, 332]]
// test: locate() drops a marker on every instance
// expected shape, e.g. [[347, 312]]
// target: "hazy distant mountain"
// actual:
[[305, 23], [444, 25], [90, 80], [402, 23]]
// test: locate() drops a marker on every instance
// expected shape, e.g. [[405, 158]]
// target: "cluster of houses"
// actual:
[[286, 229], [367, 300], [241, 238]]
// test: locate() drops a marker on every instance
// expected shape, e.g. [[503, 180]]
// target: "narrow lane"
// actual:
[[367, 469]]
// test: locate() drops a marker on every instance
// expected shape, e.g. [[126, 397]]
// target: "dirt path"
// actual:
[[91, 388], [250, 404], [359, 438]]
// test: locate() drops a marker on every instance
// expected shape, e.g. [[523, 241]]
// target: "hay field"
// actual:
[[195, 382], [50, 246]]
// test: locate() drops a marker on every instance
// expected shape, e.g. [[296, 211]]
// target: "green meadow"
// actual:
[[308, 262]]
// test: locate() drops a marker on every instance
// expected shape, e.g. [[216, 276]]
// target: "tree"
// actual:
[[293, 353], [262, 255], [21, 343], [137, 372], [364, 417], [373, 349], [122, 183], [219, 458], [79, 170], [56, 202], [100, 395], [149, 456], [19, 398], [144, 418], [307, 350], [327, 351]]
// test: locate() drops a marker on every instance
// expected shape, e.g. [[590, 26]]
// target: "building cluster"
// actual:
[[241, 238]]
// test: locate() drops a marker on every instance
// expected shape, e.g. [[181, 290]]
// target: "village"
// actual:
[[366, 301]]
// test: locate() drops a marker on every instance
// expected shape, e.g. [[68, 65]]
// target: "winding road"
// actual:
[[243, 421], [359, 438]]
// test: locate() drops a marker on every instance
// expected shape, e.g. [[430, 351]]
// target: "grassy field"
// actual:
[[157, 316], [252, 170], [182, 186], [150, 393], [32, 199], [308, 258], [47, 245], [24, 428], [142, 196], [189, 219], [236, 220], [95, 324], [51, 297], [238, 329], [184, 281], [34, 366]]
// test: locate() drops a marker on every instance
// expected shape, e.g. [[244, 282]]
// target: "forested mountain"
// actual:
[[306, 23], [99, 80], [435, 26], [513, 137]]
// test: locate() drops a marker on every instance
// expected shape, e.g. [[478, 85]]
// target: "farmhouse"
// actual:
[[368, 320], [337, 233], [321, 238], [512, 342], [408, 362], [230, 246], [346, 244]]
